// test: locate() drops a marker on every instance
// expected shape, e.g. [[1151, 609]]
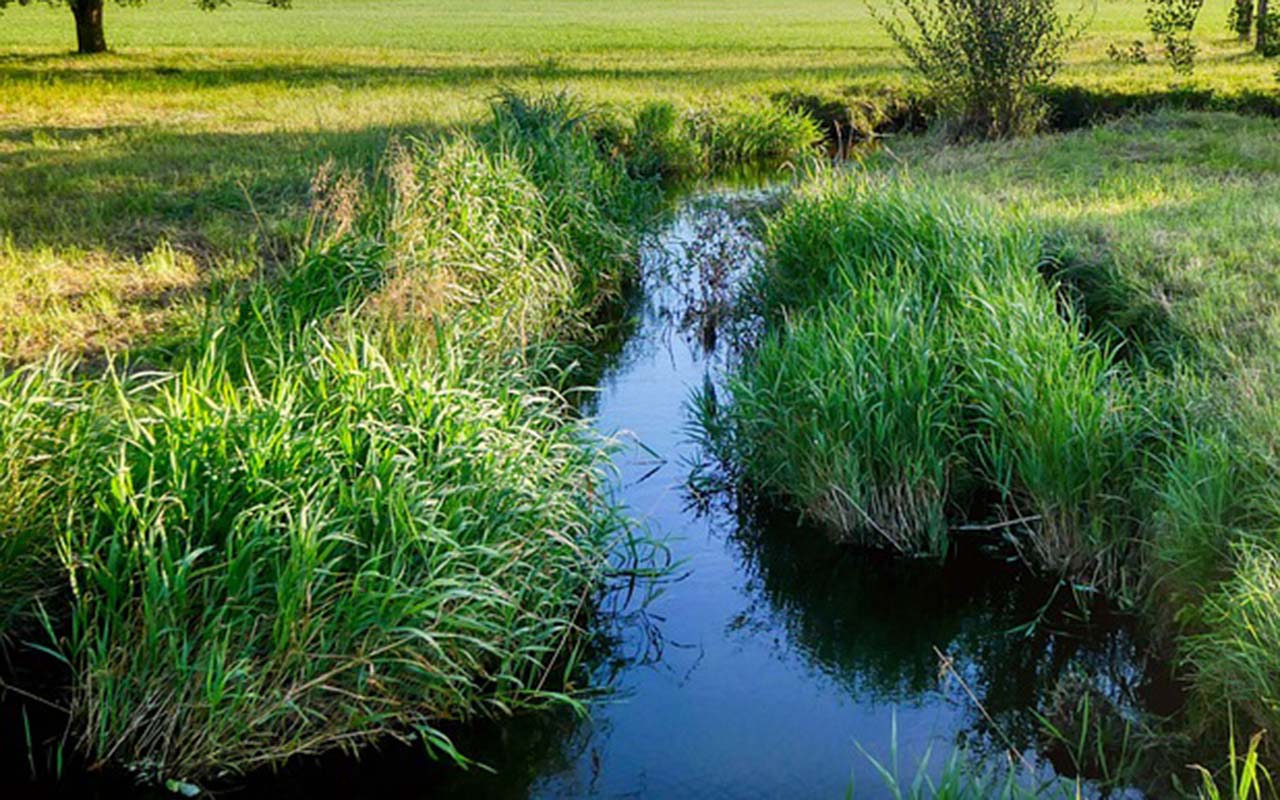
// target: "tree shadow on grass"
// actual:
[[81, 205], [176, 72], [123, 189]]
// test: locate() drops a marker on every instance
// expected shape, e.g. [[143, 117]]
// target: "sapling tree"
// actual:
[[1246, 18], [1267, 37], [90, 35], [1171, 22], [983, 59], [1240, 18]]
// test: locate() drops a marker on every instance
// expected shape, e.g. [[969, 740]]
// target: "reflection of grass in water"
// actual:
[[1243, 777], [869, 623], [960, 778]]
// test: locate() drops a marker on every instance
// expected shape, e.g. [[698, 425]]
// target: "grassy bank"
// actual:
[[353, 504], [1067, 343], [183, 160], [918, 336]]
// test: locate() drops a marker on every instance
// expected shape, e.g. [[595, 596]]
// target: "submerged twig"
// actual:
[[947, 666], [996, 526]]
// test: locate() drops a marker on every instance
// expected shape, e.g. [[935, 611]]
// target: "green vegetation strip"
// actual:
[[354, 505], [1081, 371]]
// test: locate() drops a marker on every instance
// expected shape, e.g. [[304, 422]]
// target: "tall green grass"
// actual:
[[44, 427], [1053, 428], [1245, 776], [854, 414], [750, 132], [921, 375], [351, 545], [1235, 657], [353, 506], [916, 368], [517, 232]]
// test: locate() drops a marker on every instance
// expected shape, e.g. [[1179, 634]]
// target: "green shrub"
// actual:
[[1171, 22], [983, 59], [1240, 18]]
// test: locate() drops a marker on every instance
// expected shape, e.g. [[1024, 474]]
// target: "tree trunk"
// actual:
[[1262, 24], [1244, 18], [89, 35]]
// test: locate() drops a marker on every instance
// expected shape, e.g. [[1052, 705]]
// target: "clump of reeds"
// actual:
[[1053, 428], [345, 546], [46, 433], [853, 413], [916, 362], [665, 142], [1234, 659], [755, 132]]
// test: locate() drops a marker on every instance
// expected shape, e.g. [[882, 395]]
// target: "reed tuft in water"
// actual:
[[915, 367]]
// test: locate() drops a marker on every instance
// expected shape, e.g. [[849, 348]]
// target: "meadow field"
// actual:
[[291, 302], [185, 155]]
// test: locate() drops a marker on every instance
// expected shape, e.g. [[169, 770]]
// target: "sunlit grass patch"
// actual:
[[87, 302], [349, 545], [916, 367]]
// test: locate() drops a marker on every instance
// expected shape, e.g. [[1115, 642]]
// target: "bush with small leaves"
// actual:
[[1134, 53], [1171, 21], [982, 59], [1240, 18]]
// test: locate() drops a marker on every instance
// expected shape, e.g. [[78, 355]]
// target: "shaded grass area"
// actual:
[[81, 272], [353, 504], [1069, 340]]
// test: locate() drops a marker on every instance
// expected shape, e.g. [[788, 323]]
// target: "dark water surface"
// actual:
[[771, 656]]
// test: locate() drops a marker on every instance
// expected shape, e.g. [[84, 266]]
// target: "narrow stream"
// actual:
[[775, 658], [772, 663]]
